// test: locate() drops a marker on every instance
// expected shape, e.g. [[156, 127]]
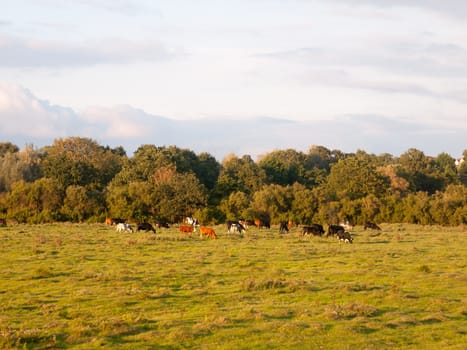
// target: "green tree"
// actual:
[[354, 178], [81, 204], [20, 165], [462, 169], [419, 170], [284, 167], [322, 157], [417, 208], [273, 202], [304, 204], [175, 196], [450, 207], [80, 161], [235, 205], [239, 175], [36, 202]]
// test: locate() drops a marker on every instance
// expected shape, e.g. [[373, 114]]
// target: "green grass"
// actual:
[[87, 286]]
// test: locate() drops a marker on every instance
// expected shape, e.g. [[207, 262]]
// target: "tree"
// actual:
[[239, 174], [81, 204], [322, 157], [175, 196], [166, 194], [80, 161], [354, 178], [419, 170], [20, 165], [304, 204], [235, 205], [284, 167], [7, 147], [417, 208], [207, 169], [273, 202], [35, 202]]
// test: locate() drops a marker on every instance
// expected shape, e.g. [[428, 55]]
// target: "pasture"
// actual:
[[88, 286]]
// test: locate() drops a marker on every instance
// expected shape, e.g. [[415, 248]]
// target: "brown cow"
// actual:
[[114, 221], [2, 222], [260, 223], [207, 231], [186, 229]]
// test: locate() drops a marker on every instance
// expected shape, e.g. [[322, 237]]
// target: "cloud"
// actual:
[[32, 53], [28, 119], [452, 8], [126, 7], [406, 58], [23, 114]]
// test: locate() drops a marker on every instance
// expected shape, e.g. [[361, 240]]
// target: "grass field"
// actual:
[[87, 287]]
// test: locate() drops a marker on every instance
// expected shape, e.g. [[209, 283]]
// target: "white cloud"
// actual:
[[21, 113], [17, 52], [28, 119], [451, 8]]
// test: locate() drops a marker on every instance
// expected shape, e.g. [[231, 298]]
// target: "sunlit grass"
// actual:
[[87, 286]]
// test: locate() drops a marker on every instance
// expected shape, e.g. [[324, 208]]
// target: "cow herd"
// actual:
[[191, 225]]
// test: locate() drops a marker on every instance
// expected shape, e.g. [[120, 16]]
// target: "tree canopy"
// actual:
[[77, 179]]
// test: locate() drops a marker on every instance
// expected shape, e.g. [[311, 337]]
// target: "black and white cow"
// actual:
[[122, 227], [333, 230], [234, 227], [344, 236]]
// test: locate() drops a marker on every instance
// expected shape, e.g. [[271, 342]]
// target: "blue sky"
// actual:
[[237, 76]]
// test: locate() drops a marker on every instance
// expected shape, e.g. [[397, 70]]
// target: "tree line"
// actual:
[[76, 179]]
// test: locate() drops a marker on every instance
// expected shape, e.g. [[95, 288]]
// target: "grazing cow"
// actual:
[[246, 223], [121, 227], [333, 230], [283, 228], [161, 224], [186, 229], [113, 221], [314, 229], [371, 226], [234, 227], [192, 221], [2, 222], [145, 226], [262, 223], [344, 236], [207, 231]]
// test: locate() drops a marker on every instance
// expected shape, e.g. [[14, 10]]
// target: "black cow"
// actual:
[[344, 236], [314, 229], [161, 224], [262, 223], [334, 230], [283, 228], [371, 226], [145, 226]]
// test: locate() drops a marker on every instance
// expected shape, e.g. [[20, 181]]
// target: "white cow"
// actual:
[[122, 227], [192, 221]]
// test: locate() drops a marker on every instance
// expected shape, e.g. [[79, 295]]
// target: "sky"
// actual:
[[243, 76]]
